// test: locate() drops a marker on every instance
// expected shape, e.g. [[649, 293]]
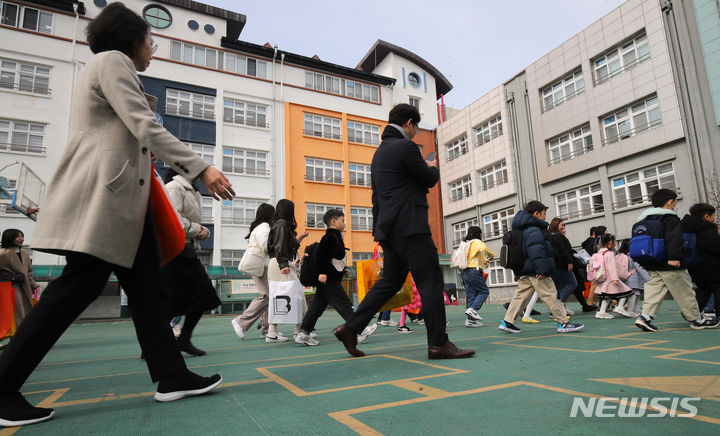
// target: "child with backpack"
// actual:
[[478, 257], [328, 260], [706, 271], [636, 279], [415, 305], [608, 277], [657, 245]]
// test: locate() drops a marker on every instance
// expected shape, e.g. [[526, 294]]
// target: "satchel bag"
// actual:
[[253, 261], [170, 233]]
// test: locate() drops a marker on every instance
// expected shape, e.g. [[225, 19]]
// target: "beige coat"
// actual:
[[188, 204], [96, 201], [10, 263]]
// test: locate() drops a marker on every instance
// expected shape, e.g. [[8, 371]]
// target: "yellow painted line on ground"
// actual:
[[9, 431], [625, 347], [673, 356], [420, 388]]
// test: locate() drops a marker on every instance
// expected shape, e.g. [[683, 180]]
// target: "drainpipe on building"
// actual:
[[682, 88], [536, 181], [73, 64], [510, 100], [274, 127]]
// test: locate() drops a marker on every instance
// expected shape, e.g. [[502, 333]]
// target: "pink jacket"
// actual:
[[611, 273], [416, 303]]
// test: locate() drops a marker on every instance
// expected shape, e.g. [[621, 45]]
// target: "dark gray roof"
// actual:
[[235, 21], [296, 59], [63, 5], [382, 48]]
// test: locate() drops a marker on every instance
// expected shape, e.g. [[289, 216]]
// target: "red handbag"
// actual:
[[7, 310], [171, 235]]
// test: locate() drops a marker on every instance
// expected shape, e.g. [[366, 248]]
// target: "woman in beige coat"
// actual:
[[96, 213], [15, 267]]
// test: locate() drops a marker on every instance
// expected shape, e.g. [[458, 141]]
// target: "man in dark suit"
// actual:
[[400, 182]]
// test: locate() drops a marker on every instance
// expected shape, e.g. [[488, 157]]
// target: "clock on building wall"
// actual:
[[414, 80]]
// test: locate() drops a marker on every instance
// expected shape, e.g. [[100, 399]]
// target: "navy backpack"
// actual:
[[647, 245]]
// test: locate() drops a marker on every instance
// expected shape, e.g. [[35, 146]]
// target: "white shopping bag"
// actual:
[[286, 301]]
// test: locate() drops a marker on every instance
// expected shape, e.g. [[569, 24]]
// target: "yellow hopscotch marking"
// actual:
[[420, 388], [673, 356]]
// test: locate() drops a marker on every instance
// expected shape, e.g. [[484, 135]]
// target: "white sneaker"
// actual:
[[390, 323], [304, 338], [472, 313], [370, 329], [569, 312], [471, 323], [603, 315], [278, 338], [176, 330], [312, 335], [238, 330], [621, 311]]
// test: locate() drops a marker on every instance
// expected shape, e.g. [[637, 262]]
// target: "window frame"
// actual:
[[244, 109], [494, 270], [335, 167], [206, 108], [20, 18], [457, 148], [145, 15], [359, 170], [237, 153], [495, 224], [460, 188], [460, 230], [639, 45], [628, 116], [323, 121], [631, 198], [234, 257], [205, 151], [587, 203], [198, 55], [248, 207], [569, 140], [6, 208], [318, 212], [362, 133], [358, 213], [491, 171], [20, 72], [339, 86], [11, 132], [488, 130], [560, 86]]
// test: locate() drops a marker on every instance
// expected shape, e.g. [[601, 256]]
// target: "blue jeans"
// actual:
[[476, 289], [565, 282], [710, 306], [384, 316]]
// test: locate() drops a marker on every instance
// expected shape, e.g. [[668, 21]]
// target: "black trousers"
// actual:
[[704, 291], [66, 297], [333, 293], [417, 254]]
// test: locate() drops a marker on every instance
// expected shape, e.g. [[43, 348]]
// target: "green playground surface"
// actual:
[[516, 384]]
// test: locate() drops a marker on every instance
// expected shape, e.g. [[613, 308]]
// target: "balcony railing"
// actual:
[[563, 157], [548, 106], [245, 122], [584, 212], [245, 171], [628, 133], [22, 148], [35, 89], [328, 179], [460, 196], [481, 138], [236, 220], [622, 69], [321, 134], [638, 200], [358, 139]]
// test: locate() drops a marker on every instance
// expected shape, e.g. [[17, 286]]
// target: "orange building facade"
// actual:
[[331, 169]]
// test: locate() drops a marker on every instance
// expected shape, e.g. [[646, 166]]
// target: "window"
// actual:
[[189, 104], [247, 66], [576, 203], [314, 214], [414, 102], [346, 87], [569, 145], [157, 16], [632, 119], [231, 257], [460, 230], [5, 208], [638, 186], [21, 136], [193, 54], [498, 276], [357, 256], [414, 80], [460, 189], [489, 130], [245, 113], [457, 148], [25, 17], [320, 170], [492, 176], [249, 162], [207, 210], [239, 210], [207, 152], [497, 223], [323, 127], [363, 133], [621, 58], [24, 77], [361, 218], [562, 90], [206, 256], [359, 174]]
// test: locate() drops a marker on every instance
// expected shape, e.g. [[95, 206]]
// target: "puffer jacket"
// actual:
[[538, 251], [708, 246], [188, 204]]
